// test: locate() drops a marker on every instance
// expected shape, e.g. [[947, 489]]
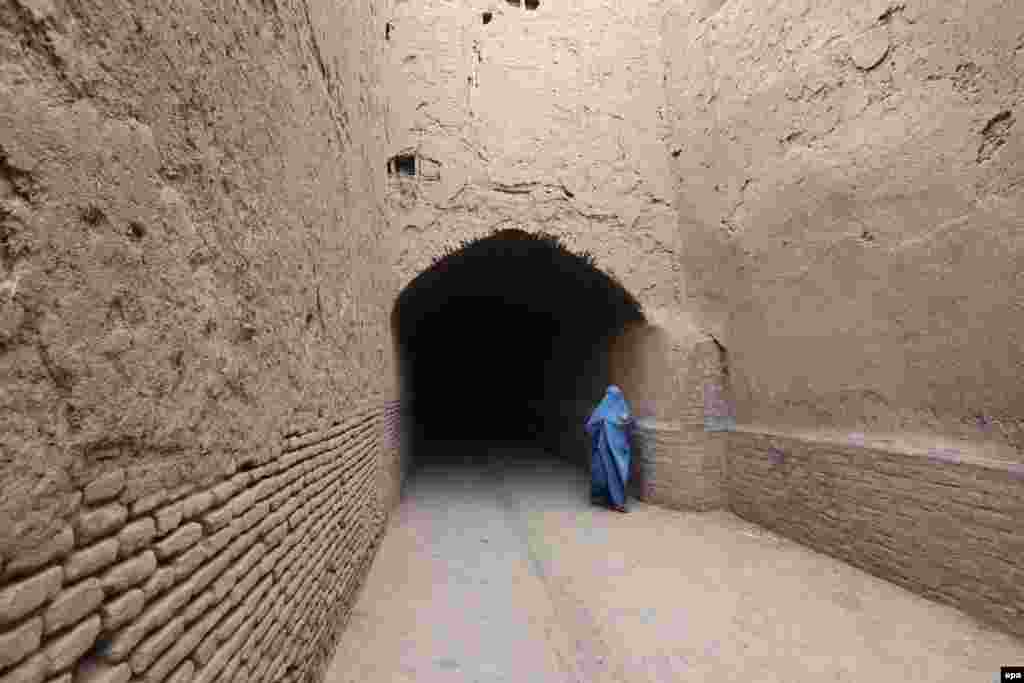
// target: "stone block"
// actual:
[[32, 670], [73, 604], [162, 579], [168, 518], [91, 559], [123, 609], [276, 533], [256, 513], [218, 518], [105, 487], [196, 504], [149, 503], [95, 670], [136, 535], [183, 674], [169, 661], [211, 570], [146, 652], [56, 548], [189, 561], [220, 539], [19, 599], [65, 650], [231, 669], [130, 572], [199, 605], [153, 617], [223, 491], [100, 522], [241, 503], [180, 540]]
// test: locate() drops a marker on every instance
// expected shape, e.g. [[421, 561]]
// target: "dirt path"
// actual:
[[495, 572]]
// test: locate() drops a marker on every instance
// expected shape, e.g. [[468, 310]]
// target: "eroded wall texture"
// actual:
[[194, 268], [207, 212], [850, 204], [192, 216], [546, 119]]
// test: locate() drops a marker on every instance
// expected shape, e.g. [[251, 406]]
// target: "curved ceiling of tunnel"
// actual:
[[526, 274], [498, 333]]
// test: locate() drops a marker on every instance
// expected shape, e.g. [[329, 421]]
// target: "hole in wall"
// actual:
[[719, 407], [506, 339], [387, 31], [402, 165], [531, 4], [487, 16]]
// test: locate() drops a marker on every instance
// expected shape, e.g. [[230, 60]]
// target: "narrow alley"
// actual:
[[496, 568]]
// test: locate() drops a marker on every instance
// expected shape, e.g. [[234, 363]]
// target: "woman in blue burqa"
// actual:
[[609, 431]]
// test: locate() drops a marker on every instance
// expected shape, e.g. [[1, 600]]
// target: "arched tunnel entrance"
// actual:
[[506, 339]]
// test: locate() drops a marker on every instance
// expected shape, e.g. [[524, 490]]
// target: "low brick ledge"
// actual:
[[249, 577], [943, 519], [989, 455], [677, 465]]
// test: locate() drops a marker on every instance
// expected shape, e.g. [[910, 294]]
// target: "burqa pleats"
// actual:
[[608, 428]]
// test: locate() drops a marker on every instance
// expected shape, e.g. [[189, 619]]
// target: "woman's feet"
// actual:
[[603, 501]]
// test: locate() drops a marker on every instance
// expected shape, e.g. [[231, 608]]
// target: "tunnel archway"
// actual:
[[505, 339]]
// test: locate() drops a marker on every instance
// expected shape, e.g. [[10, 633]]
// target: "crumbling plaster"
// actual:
[[194, 240], [850, 207], [550, 119]]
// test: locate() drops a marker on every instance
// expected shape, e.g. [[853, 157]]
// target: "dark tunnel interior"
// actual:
[[505, 339]]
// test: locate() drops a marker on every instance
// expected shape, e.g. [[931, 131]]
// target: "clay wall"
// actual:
[[546, 119], [198, 441], [251, 577], [849, 196], [940, 521], [679, 457], [195, 249]]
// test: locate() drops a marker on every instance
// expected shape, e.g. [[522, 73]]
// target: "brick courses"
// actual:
[[949, 529], [250, 578]]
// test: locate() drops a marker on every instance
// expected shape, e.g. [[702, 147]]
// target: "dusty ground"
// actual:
[[495, 572]]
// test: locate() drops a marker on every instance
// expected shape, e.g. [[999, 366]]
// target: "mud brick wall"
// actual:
[[942, 524], [849, 195], [677, 465], [678, 462], [250, 579]]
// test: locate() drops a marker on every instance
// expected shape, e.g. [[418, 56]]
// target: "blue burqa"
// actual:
[[608, 428]]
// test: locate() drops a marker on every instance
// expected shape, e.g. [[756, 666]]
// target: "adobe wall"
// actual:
[[848, 182], [549, 119], [195, 286], [942, 522], [546, 119], [250, 578], [849, 194]]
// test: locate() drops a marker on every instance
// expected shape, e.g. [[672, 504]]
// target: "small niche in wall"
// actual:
[[387, 31], [487, 17], [531, 4], [514, 3], [402, 165]]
